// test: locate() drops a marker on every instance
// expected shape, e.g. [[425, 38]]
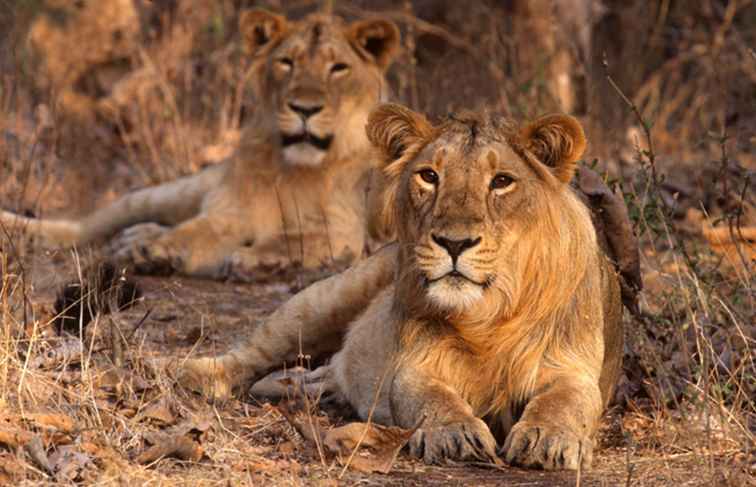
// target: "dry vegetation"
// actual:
[[668, 93]]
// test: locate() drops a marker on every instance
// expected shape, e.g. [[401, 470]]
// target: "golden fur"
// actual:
[[295, 190], [496, 315]]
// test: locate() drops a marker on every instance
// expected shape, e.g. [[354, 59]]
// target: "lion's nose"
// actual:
[[305, 111], [455, 247]]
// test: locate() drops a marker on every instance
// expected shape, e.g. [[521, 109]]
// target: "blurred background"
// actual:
[[151, 88]]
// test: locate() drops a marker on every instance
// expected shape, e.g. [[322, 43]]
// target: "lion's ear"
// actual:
[[393, 128], [378, 39], [558, 141], [260, 30], [397, 133]]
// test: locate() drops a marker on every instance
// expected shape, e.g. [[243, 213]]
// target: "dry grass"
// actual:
[[674, 134]]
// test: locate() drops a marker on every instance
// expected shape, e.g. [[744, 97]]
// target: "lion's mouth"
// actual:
[[456, 277], [322, 143]]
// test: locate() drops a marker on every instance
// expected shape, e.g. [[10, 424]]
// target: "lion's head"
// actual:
[[484, 211], [318, 77]]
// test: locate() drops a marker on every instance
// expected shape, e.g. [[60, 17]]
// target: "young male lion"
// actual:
[[496, 314], [296, 188]]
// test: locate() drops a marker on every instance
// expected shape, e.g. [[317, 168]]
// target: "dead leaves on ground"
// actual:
[[182, 443], [384, 443], [47, 439], [366, 447], [76, 444]]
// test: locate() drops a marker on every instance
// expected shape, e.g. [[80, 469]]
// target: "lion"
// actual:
[[296, 189], [496, 316]]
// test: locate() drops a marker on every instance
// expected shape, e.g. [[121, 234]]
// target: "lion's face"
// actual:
[[320, 77], [466, 202], [466, 195]]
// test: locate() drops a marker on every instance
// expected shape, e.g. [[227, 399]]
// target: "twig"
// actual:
[[116, 343], [139, 325]]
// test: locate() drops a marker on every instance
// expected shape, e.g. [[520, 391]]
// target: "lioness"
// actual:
[[296, 188], [496, 315]]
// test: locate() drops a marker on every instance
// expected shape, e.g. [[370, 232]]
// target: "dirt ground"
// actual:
[[96, 420]]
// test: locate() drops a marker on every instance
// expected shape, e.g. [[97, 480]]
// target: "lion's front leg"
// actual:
[[313, 322], [196, 247], [557, 425], [449, 430]]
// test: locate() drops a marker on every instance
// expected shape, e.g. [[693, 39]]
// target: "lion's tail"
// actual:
[[167, 204], [61, 231]]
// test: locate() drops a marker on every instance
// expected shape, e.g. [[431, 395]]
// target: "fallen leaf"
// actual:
[[60, 422], [158, 411], [173, 446], [13, 437], [116, 378], [68, 463], [384, 443]]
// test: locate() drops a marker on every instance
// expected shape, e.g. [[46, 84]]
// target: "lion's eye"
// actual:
[[501, 181], [429, 176], [286, 63], [339, 68]]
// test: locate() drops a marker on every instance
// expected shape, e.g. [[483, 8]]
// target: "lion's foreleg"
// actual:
[[448, 430], [555, 429], [196, 247], [312, 323]]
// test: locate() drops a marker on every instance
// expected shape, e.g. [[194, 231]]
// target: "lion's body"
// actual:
[[496, 304], [296, 189]]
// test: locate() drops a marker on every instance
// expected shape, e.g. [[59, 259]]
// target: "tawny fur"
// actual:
[[297, 187], [515, 338]]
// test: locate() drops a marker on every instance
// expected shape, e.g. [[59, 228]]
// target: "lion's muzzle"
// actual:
[[455, 247], [322, 143]]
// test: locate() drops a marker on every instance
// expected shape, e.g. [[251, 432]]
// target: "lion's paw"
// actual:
[[463, 441], [139, 246], [247, 265], [235, 268], [207, 376], [546, 446]]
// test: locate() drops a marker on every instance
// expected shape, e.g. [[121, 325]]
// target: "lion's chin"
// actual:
[[454, 294], [303, 154]]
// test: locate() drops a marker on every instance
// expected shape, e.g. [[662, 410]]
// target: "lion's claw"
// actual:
[[547, 447], [138, 246], [463, 441]]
